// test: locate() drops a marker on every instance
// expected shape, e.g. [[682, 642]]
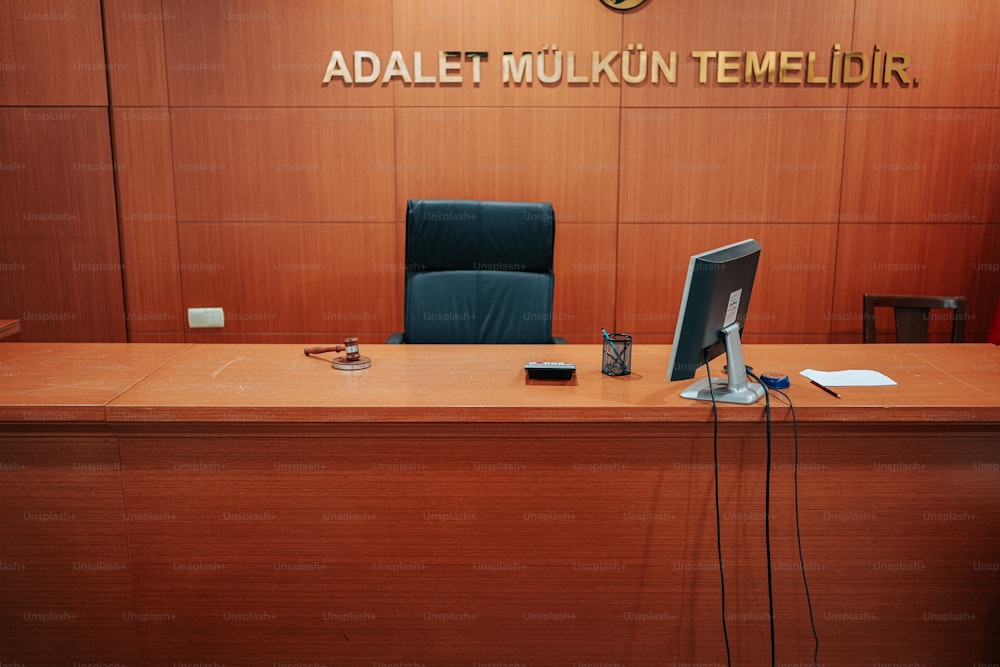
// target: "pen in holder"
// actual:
[[616, 357]]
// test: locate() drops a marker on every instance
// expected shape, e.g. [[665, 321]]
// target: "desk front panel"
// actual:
[[65, 568], [562, 544]]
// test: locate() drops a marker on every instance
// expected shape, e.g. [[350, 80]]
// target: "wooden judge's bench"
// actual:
[[183, 504]]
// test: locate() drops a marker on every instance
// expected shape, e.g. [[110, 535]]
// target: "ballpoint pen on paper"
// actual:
[[614, 348], [824, 388]]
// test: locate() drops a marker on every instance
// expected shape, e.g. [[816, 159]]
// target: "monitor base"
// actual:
[[748, 394]]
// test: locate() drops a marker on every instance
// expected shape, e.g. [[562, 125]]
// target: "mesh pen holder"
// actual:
[[616, 357]]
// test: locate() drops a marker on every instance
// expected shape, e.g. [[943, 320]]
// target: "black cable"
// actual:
[[767, 509], [718, 514], [798, 530]]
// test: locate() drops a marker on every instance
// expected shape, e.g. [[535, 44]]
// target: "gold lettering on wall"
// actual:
[[634, 65]]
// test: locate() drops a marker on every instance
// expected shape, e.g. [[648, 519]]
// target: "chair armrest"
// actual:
[[395, 339]]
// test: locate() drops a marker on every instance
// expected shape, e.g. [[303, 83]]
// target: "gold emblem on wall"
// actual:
[[622, 5]]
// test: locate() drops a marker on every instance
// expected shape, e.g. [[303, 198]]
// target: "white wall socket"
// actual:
[[204, 318]]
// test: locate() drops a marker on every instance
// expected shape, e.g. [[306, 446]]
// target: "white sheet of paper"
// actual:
[[851, 378]]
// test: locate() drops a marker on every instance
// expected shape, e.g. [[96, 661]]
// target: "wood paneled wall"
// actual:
[[60, 265], [218, 169]]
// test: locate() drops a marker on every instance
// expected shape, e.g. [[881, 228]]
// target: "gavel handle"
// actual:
[[321, 349]]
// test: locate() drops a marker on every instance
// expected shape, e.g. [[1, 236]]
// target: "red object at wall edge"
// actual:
[[995, 329]]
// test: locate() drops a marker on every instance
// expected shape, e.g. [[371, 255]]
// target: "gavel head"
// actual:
[[351, 348]]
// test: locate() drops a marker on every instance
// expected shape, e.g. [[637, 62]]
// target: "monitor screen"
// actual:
[[712, 315]]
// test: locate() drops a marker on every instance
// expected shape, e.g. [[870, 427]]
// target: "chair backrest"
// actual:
[[478, 271], [913, 315]]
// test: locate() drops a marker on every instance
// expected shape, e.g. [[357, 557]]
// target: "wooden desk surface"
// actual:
[[43, 382], [408, 383], [467, 383]]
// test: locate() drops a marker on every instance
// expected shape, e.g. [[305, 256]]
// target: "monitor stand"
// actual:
[[735, 389]]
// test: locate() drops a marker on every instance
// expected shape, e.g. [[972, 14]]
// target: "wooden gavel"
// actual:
[[350, 346]]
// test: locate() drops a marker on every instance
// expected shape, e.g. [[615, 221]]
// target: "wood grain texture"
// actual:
[[156, 337], [52, 53], [937, 166], [474, 563], [71, 382], [277, 383], [327, 280], [566, 156], [657, 256], [586, 266], [730, 165], [957, 259], [64, 558], [252, 135], [137, 69], [148, 220], [440, 544], [249, 53], [952, 48], [59, 239], [435, 505], [283, 165]]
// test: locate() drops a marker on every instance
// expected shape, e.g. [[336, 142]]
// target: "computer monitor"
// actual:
[[713, 312]]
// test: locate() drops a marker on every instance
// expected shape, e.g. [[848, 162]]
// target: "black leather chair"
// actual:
[[913, 315], [478, 272]]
